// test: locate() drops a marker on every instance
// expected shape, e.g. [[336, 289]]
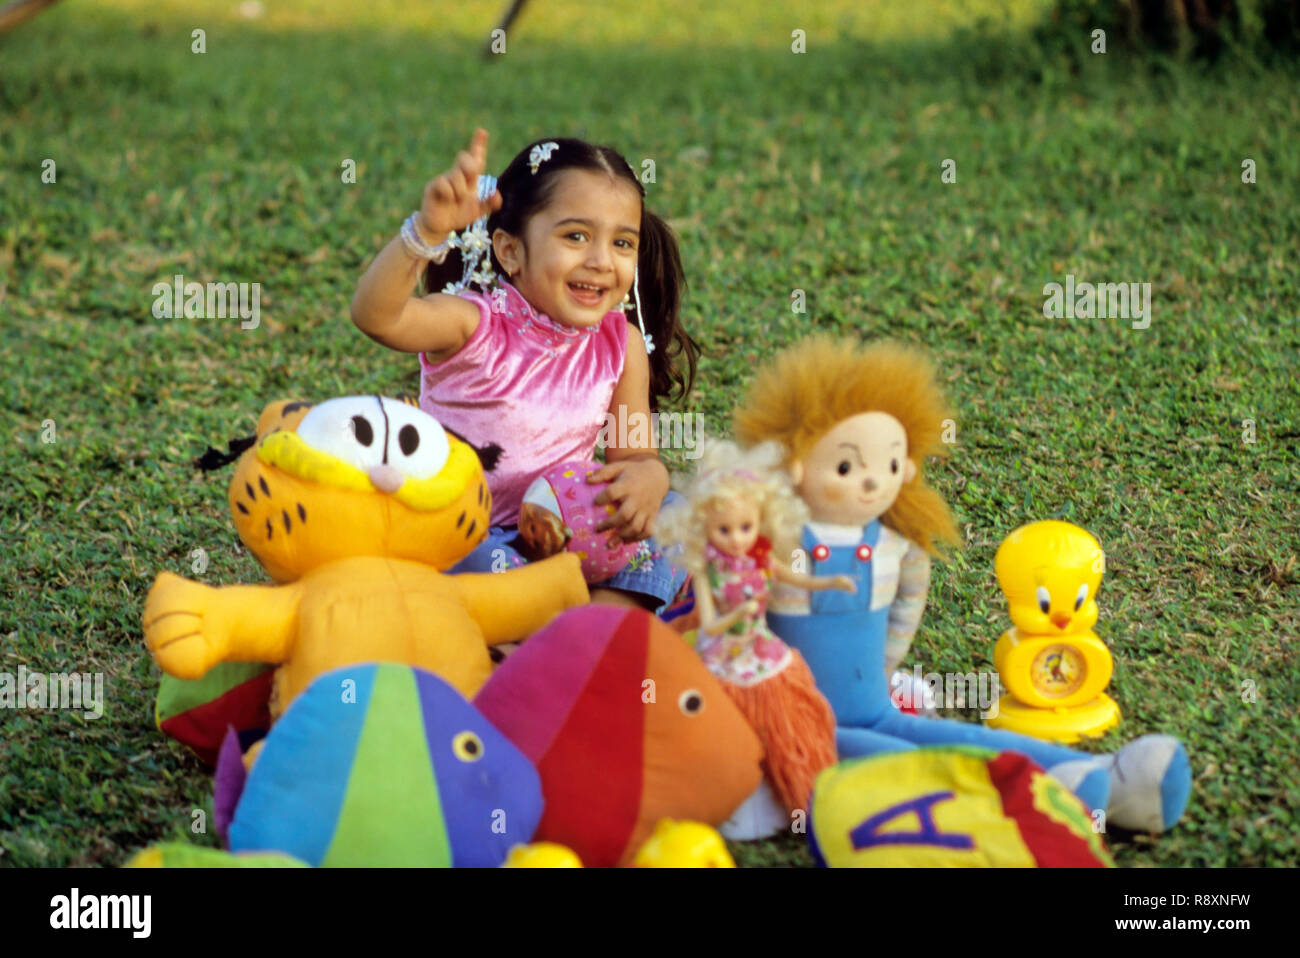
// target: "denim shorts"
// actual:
[[648, 573]]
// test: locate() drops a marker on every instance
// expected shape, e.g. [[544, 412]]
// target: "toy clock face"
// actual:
[[1052, 672], [1058, 671]]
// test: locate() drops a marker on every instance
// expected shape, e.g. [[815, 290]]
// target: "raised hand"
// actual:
[[451, 201]]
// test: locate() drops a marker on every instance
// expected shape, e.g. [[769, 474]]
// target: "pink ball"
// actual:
[[559, 513]]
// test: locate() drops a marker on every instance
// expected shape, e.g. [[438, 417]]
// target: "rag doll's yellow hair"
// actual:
[[808, 388]]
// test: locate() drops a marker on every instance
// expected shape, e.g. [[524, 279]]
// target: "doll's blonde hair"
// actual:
[[809, 387], [725, 473]]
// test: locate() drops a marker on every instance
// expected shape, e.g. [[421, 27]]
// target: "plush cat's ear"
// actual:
[[408, 399], [274, 413]]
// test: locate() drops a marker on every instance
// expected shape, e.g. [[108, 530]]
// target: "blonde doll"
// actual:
[[740, 514]]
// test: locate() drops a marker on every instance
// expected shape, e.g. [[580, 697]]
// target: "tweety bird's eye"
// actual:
[[691, 702], [844, 468], [1044, 600], [467, 747], [1081, 598]]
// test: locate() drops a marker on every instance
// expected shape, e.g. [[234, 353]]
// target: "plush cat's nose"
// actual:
[[385, 478]]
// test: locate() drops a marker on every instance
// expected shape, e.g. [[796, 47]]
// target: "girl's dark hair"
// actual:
[[659, 266]]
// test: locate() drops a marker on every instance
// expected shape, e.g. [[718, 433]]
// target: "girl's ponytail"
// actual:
[[661, 282]]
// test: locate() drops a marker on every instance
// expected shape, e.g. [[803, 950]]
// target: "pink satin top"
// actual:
[[536, 388]]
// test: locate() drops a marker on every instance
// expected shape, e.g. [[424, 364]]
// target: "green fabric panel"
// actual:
[[391, 814], [180, 695], [181, 855]]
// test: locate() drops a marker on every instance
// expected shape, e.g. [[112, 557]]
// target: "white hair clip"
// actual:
[[540, 154]]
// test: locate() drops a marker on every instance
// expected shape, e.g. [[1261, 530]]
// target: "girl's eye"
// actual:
[[626, 243], [576, 236], [844, 468]]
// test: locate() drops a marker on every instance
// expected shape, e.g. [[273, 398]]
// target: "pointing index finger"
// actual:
[[478, 148]]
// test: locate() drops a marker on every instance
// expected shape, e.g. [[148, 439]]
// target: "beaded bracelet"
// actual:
[[417, 247]]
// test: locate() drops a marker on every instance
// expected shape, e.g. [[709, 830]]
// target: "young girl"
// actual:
[[527, 370], [740, 514]]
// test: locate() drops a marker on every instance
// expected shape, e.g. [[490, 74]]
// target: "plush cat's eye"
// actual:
[[362, 430], [417, 445], [347, 429], [365, 432]]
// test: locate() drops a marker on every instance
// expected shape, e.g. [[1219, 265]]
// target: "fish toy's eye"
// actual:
[[1081, 598], [467, 746], [690, 702], [1044, 600]]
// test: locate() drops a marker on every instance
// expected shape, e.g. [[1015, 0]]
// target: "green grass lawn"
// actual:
[[818, 171]]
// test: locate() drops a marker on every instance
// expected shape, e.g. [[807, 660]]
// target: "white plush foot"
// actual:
[[1089, 778], [1150, 782], [760, 816]]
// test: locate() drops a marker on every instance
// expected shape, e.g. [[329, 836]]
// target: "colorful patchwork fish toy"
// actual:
[[626, 727], [381, 765]]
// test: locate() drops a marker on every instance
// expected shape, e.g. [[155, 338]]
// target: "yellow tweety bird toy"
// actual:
[[1053, 663]]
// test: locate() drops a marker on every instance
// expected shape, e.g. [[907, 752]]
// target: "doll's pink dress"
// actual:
[[748, 652]]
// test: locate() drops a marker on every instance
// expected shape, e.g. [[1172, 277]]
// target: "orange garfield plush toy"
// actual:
[[355, 507]]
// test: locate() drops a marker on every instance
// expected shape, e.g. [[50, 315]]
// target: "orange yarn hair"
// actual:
[[796, 726], [809, 387]]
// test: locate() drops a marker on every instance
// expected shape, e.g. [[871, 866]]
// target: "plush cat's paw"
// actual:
[[174, 627]]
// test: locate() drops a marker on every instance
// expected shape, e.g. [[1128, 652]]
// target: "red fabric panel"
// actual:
[[1052, 844], [592, 776], [202, 728]]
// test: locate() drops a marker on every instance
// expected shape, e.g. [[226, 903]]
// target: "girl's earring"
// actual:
[[640, 320]]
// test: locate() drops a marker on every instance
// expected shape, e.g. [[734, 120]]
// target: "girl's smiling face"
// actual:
[[577, 257]]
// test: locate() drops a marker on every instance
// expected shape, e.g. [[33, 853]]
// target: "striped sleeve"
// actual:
[[908, 606]]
